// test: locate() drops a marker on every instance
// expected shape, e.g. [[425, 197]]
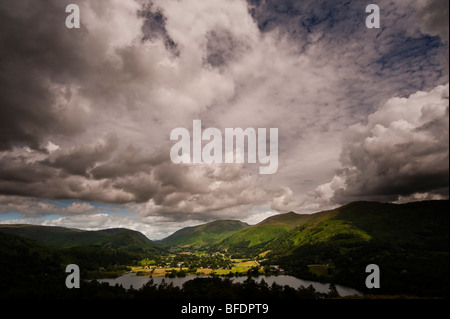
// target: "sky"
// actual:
[[86, 113]]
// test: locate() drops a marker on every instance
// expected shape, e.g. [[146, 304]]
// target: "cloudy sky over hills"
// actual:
[[86, 114]]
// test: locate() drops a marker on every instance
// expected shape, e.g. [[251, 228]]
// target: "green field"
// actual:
[[147, 268]]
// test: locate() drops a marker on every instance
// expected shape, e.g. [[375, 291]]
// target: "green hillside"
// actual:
[[204, 235], [409, 242], [32, 269], [290, 219], [115, 238], [263, 232], [413, 225]]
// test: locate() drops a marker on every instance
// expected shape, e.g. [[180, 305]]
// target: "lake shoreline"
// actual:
[[131, 279]]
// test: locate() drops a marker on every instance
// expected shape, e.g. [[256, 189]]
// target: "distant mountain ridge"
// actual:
[[114, 238], [222, 234], [358, 221]]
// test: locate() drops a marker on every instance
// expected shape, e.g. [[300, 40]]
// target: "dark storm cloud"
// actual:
[[154, 26], [81, 159], [222, 47], [31, 56], [55, 82], [128, 162], [17, 170], [433, 16], [66, 174], [142, 186]]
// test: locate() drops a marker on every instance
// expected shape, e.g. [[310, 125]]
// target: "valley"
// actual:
[[180, 266], [409, 242]]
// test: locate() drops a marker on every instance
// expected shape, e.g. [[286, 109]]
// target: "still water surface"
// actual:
[[137, 282]]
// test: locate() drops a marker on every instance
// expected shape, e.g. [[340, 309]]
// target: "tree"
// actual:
[[333, 293]]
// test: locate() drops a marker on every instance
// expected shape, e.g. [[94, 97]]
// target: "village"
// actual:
[[217, 264]]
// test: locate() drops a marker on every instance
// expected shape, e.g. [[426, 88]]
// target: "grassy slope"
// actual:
[[420, 224], [265, 231], [409, 242], [205, 234]]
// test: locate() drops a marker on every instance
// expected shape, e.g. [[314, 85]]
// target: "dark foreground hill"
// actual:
[[32, 269], [114, 238]]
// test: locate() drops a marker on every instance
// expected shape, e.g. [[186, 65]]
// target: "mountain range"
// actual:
[[113, 238], [418, 224], [409, 242], [414, 224], [222, 234]]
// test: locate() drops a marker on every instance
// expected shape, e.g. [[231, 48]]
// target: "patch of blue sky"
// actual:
[[51, 217], [10, 215], [99, 207], [407, 49]]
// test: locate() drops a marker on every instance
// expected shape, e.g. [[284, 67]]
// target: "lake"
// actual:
[[137, 282]]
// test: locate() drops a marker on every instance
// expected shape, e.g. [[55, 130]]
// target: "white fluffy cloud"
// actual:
[[401, 151], [34, 207]]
